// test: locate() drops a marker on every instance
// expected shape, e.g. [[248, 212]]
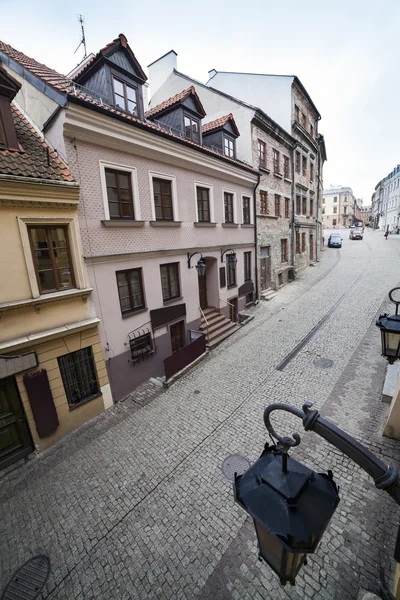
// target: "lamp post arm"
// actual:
[[385, 477]]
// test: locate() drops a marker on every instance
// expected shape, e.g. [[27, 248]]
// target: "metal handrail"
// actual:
[[226, 302], [204, 317]]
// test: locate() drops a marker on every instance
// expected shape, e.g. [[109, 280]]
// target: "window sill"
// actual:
[[46, 299], [172, 300], [267, 216], [246, 225], [165, 223], [132, 313], [278, 175], [230, 224], [230, 287], [265, 170], [85, 401], [287, 180], [122, 223], [204, 224]]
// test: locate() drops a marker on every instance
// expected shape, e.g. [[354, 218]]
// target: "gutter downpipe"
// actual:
[[292, 216], [255, 234], [317, 241]]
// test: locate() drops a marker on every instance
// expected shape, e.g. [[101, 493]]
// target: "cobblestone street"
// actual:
[[134, 504]]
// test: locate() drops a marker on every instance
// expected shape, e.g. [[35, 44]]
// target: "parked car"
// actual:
[[335, 240], [356, 234]]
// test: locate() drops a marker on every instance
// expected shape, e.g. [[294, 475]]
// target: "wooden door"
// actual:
[[177, 332], [265, 267], [233, 309], [203, 292], [15, 437]]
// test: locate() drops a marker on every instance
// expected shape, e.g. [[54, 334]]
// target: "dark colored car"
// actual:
[[335, 241]]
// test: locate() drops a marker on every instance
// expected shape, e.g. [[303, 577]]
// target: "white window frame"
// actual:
[[251, 207], [235, 217], [172, 178], [210, 188], [135, 187], [76, 250]]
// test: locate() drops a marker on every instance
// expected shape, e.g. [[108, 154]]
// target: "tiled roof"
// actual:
[[36, 160], [56, 80], [174, 100], [220, 122]]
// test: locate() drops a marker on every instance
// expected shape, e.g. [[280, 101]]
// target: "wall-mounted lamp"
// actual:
[[223, 252], [201, 264]]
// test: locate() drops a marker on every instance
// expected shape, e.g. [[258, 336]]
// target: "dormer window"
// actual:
[[229, 147], [191, 128], [125, 96], [8, 89]]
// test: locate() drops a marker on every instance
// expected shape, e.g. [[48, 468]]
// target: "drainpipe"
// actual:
[[255, 234], [317, 211], [293, 206]]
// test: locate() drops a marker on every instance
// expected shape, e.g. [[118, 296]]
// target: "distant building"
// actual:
[[366, 215], [338, 207]]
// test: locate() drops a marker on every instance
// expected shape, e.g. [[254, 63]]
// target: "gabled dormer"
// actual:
[[220, 135], [8, 89], [181, 114], [114, 76]]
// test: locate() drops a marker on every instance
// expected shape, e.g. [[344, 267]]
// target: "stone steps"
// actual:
[[218, 329]]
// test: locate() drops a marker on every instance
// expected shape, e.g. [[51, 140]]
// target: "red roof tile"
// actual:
[[175, 100], [37, 160], [220, 122]]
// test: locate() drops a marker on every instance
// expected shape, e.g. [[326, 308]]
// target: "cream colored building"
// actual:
[[53, 376], [338, 207]]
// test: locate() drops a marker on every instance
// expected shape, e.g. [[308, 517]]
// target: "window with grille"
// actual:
[[141, 347], [231, 270], [246, 211], [284, 250], [228, 207], [277, 205], [263, 202], [119, 194], [276, 161], [247, 266], [262, 154], [286, 167], [203, 204], [125, 96], [130, 290], [287, 208], [78, 373], [170, 281], [51, 258], [163, 199]]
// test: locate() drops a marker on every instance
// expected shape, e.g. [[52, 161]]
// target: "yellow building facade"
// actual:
[[53, 376]]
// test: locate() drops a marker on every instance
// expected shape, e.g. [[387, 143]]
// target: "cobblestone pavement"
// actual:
[[134, 504]]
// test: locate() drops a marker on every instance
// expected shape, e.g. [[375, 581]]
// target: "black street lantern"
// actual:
[[390, 331], [291, 505], [201, 267]]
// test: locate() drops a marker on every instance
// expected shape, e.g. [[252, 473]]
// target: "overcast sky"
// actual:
[[344, 51]]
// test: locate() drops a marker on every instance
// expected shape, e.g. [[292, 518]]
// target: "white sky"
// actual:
[[344, 51]]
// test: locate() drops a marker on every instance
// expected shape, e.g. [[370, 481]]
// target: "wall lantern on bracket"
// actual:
[[201, 264], [231, 257], [390, 331]]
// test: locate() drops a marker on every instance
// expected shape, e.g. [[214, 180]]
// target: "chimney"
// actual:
[[161, 69]]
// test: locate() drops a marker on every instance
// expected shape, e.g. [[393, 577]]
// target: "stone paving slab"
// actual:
[[134, 504]]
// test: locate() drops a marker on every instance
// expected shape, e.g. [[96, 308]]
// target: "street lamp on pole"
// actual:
[[290, 504]]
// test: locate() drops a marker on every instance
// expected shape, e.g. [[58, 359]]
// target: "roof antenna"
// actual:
[[83, 39]]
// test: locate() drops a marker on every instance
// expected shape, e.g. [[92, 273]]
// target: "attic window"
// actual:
[[125, 96], [229, 147], [191, 128]]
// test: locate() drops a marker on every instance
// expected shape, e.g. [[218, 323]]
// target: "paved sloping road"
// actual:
[[134, 504]]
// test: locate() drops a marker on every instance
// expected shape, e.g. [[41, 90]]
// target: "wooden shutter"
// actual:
[[41, 401]]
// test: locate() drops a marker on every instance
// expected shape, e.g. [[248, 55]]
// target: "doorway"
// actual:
[[233, 309], [177, 333], [203, 291], [311, 246], [265, 267], [15, 437]]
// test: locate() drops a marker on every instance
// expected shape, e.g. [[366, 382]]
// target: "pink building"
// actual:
[[166, 209]]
